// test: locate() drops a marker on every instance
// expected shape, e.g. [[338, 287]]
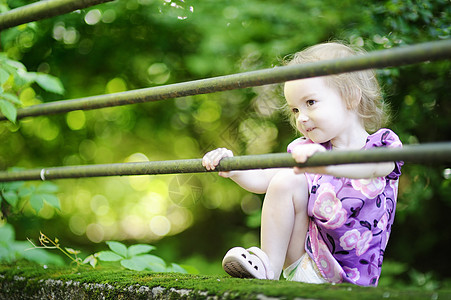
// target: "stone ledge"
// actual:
[[58, 289], [29, 281]]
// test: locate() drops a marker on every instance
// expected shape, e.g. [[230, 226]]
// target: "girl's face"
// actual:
[[321, 114]]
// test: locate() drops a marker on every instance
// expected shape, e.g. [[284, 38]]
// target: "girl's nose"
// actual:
[[302, 117]]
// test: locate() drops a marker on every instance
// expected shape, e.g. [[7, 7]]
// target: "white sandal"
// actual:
[[250, 263]]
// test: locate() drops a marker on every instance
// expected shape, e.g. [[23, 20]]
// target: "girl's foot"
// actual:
[[250, 263]]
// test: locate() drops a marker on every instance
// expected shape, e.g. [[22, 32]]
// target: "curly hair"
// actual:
[[360, 85]]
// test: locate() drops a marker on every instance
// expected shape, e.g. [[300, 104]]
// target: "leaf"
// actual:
[[11, 98], [22, 77], [91, 259], [118, 248], [49, 83], [14, 185], [8, 110], [157, 268], [177, 269], [70, 250], [36, 202], [39, 256], [109, 256], [366, 224], [23, 192], [3, 76], [132, 264], [139, 249], [190, 269], [52, 200], [149, 258], [47, 187], [378, 201], [152, 262], [332, 242], [16, 65], [11, 197], [7, 233]]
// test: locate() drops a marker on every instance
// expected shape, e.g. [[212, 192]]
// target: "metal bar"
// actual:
[[427, 153], [42, 10], [378, 59]]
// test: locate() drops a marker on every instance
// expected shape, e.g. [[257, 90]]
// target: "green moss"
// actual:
[[25, 280]]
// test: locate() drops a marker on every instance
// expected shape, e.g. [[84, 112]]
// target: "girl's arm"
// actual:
[[356, 171], [255, 181]]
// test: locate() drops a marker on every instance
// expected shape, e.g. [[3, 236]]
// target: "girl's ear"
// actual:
[[354, 98]]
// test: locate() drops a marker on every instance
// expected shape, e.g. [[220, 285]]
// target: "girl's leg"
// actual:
[[284, 219]]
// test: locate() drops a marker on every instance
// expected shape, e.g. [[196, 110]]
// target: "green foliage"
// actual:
[[14, 196], [14, 79], [12, 250], [399, 275], [136, 258]]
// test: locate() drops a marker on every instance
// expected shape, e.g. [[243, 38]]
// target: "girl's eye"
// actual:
[[295, 110], [310, 102]]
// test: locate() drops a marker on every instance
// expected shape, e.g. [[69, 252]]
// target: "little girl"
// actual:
[[323, 224]]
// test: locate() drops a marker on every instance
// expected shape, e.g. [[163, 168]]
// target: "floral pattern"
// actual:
[[352, 273], [354, 240], [351, 219], [370, 188], [327, 265], [328, 207]]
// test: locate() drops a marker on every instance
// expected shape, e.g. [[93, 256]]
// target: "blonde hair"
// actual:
[[360, 90]]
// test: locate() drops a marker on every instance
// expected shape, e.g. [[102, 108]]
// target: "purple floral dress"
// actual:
[[351, 219]]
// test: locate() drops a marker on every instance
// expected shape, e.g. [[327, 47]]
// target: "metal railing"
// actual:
[[428, 153], [377, 59], [42, 10]]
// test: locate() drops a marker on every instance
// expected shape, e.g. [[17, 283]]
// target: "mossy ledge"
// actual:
[[30, 281]]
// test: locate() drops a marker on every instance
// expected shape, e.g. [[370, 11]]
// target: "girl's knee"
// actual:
[[290, 186]]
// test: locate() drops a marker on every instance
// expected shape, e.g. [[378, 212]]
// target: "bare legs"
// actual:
[[284, 219]]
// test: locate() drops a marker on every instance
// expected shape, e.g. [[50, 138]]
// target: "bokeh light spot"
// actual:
[[47, 130], [95, 233], [109, 16], [153, 203], [180, 219], [136, 157], [160, 225], [28, 97], [76, 120], [93, 17], [100, 205], [88, 149], [158, 73], [77, 225], [116, 85], [208, 111], [133, 226]]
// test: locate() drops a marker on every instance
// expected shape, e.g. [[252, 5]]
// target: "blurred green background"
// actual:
[[195, 219]]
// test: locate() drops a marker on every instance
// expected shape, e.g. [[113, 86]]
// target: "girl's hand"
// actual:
[[212, 159], [302, 152]]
